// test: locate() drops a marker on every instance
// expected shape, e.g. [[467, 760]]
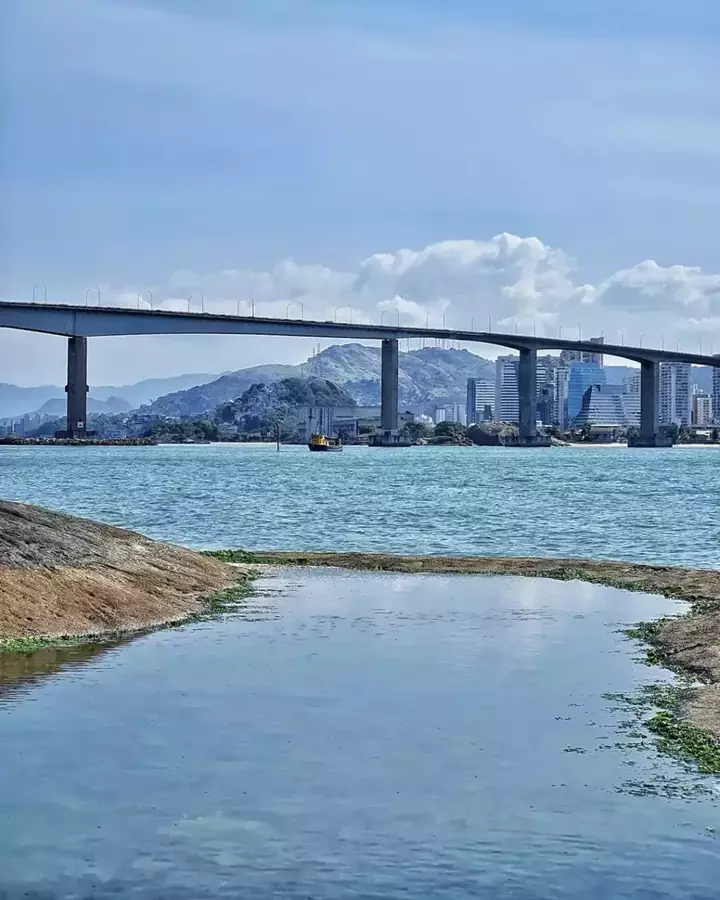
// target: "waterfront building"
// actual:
[[562, 374], [454, 412], [702, 409], [581, 376], [675, 397], [547, 367], [348, 422], [609, 405], [507, 406], [507, 403], [546, 404], [480, 403], [716, 393]]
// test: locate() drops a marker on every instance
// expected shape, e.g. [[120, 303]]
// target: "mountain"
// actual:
[[148, 390], [262, 405], [58, 405], [204, 398], [428, 377], [16, 400]]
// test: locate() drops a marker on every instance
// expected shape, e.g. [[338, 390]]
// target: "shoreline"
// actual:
[[687, 644], [68, 581]]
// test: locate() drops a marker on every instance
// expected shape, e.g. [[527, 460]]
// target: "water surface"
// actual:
[[352, 736], [657, 506]]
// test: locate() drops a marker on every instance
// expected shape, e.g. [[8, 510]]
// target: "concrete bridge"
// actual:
[[78, 323]]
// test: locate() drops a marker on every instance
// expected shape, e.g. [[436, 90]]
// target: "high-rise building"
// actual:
[[702, 409], [675, 397], [547, 367], [480, 404], [716, 393], [507, 404], [582, 356], [631, 383], [562, 374], [608, 404], [581, 376], [546, 404], [451, 413]]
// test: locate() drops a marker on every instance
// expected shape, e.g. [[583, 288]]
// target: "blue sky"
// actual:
[[145, 137]]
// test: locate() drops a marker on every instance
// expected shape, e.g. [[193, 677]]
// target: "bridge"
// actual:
[[78, 323]]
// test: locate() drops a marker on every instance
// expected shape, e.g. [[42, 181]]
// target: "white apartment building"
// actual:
[[702, 409], [716, 394], [480, 400], [675, 395], [507, 404]]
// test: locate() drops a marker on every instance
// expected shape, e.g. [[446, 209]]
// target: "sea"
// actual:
[[365, 735]]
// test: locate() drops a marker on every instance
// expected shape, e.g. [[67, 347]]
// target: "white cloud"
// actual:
[[510, 279], [517, 282], [649, 287]]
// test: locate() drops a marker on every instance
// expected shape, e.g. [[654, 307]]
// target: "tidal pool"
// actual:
[[353, 735]]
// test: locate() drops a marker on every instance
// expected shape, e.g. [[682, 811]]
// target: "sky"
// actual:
[[549, 165]]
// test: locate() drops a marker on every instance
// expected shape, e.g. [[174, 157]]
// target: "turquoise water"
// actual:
[[659, 506], [352, 736]]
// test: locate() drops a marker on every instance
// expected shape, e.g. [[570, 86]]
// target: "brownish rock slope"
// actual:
[[65, 575]]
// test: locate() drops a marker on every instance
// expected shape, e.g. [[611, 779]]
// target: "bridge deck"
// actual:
[[101, 321]]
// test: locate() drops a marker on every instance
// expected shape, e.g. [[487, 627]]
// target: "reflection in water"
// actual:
[[19, 672], [353, 735]]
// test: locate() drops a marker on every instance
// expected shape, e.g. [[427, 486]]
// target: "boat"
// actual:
[[323, 444]]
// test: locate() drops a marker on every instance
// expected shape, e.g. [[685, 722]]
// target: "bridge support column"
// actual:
[[389, 379], [650, 434], [77, 387], [389, 396], [527, 396]]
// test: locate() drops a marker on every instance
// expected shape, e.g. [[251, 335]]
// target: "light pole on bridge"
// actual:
[[87, 295]]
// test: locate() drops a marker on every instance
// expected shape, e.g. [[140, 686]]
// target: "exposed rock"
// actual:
[[65, 575]]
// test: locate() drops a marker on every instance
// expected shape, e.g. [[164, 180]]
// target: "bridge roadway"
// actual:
[[78, 323]]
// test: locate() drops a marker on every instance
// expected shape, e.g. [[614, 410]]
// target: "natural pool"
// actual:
[[353, 735]]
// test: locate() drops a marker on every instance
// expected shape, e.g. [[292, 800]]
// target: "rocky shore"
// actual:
[[65, 576], [62, 575]]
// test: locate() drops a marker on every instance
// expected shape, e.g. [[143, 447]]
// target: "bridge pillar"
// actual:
[[389, 436], [389, 380], [527, 396], [77, 387], [650, 434]]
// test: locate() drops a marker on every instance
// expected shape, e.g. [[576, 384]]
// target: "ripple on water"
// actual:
[[601, 503], [365, 735]]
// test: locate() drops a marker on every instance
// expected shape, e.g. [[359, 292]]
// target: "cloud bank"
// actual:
[[506, 283]]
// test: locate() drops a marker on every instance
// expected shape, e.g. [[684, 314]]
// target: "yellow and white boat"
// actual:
[[322, 443]]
